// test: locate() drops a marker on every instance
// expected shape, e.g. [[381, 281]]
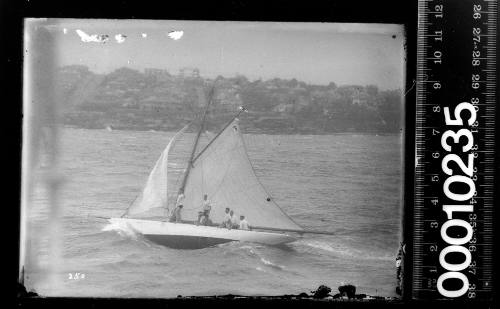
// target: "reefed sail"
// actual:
[[223, 171], [154, 194]]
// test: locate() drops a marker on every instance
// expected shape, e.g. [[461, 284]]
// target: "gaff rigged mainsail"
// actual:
[[223, 171], [154, 194]]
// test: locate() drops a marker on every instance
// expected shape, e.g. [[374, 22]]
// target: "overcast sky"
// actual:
[[317, 53]]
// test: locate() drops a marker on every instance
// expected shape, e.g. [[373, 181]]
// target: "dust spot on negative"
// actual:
[[393, 36]]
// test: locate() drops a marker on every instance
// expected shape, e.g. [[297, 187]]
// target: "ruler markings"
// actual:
[[429, 109]]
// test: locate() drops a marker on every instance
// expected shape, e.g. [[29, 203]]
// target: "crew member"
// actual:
[[243, 223], [226, 222], [235, 222], [180, 200], [176, 214], [203, 216]]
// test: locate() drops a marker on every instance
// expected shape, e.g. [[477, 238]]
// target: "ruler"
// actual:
[[452, 251]]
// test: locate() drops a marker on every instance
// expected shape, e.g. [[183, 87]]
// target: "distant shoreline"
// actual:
[[66, 126]]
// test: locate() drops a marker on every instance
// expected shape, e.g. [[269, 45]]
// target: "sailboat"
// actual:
[[222, 170]]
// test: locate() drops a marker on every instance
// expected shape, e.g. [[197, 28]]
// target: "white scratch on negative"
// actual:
[[98, 38], [65, 30], [175, 35], [120, 38]]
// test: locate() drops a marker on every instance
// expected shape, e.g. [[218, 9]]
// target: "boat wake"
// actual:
[[320, 245], [340, 251], [122, 228]]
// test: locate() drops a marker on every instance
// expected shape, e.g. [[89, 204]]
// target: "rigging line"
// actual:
[[202, 179], [203, 176], [178, 179], [130, 205], [216, 136], [190, 163]]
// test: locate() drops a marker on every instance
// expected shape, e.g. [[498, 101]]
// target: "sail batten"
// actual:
[[154, 193], [224, 172]]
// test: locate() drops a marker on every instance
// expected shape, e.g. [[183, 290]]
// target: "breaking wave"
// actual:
[[271, 264], [252, 252], [122, 228]]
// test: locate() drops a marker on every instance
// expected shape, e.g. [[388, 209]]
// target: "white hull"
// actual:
[[189, 236]]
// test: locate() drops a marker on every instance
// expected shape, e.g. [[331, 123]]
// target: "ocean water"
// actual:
[[349, 184]]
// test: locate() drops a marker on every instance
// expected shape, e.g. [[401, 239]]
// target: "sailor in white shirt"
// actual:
[[203, 216], [176, 213], [243, 223], [226, 222]]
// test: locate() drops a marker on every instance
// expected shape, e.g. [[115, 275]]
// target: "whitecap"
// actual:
[[122, 228], [271, 264]]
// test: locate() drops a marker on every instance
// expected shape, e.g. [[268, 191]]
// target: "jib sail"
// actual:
[[154, 193]]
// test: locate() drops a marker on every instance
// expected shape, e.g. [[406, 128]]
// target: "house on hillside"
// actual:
[[187, 72], [360, 98]]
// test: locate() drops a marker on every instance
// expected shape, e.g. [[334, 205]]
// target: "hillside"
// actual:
[[157, 100]]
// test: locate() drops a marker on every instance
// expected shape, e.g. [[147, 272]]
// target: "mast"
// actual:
[[190, 163]]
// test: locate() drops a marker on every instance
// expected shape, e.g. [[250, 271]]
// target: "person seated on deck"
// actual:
[[244, 223], [226, 222], [176, 214], [235, 222]]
